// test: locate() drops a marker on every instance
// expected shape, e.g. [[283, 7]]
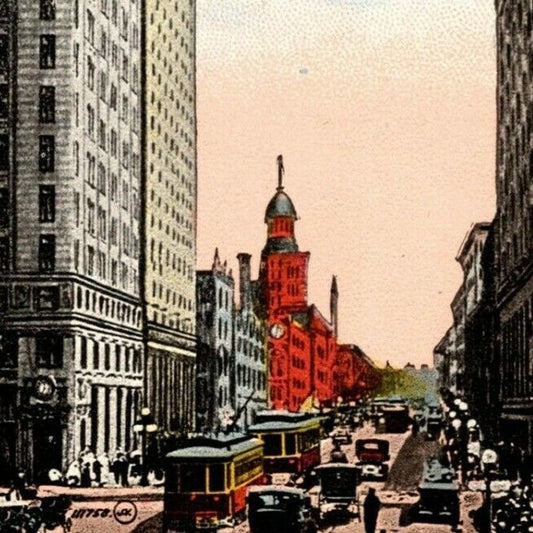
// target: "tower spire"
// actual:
[[281, 171], [334, 306]]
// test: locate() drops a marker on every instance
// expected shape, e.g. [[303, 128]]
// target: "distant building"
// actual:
[[458, 307], [476, 259], [445, 362], [216, 379], [354, 374], [251, 367]]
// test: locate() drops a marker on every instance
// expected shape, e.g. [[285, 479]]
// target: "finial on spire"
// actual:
[[281, 171]]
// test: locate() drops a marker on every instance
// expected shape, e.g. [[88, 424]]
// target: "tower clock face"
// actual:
[[277, 331]]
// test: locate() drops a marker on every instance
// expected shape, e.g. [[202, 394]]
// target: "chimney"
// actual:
[[244, 280], [334, 306]]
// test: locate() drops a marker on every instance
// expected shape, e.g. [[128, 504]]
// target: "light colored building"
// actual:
[[71, 357], [216, 356], [251, 388], [169, 205]]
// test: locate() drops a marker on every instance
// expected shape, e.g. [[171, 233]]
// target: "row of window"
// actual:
[[170, 296], [49, 349], [177, 264], [247, 348], [46, 155], [100, 357], [99, 180], [107, 307], [47, 208], [251, 378]]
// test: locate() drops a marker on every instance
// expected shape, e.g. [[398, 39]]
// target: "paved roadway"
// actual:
[[407, 457]]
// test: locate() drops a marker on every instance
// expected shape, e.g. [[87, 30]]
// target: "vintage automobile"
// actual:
[[337, 497], [439, 503], [273, 508], [342, 435], [48, 512], [373, 455], [439, 497]]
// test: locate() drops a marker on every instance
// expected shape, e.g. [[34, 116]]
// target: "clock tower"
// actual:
[[283, 269]]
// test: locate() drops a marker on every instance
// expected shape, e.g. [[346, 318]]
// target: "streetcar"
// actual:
[[394, 418], [207, 481], [291, 441]]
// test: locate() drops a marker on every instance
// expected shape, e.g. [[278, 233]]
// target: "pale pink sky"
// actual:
[[384, 112]]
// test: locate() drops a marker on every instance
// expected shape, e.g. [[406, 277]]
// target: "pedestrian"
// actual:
[[123, 470], [86, 475], [415, 426], [97, 471], [104, 461], [371, 507], [73, 474], [115, 468]]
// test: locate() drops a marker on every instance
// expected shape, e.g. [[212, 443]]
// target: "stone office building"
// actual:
[[71, 361], [169, 191], [513, 225]]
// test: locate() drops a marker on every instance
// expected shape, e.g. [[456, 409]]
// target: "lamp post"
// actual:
[[144, 425], [488, 460]]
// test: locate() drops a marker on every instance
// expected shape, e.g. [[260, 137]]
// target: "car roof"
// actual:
[[336, 466], [277, 489]]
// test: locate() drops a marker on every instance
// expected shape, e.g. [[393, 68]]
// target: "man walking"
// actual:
[[371, 507]]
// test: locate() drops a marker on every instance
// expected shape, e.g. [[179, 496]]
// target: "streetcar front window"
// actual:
[[192, 478], [290, 444], [216, 478], [272, 445]]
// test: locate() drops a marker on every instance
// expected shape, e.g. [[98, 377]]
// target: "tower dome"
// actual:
[[280, 216], [280, 206]]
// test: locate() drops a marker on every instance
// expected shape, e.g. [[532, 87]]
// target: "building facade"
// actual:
[[70, 146], [513, 225], [216, 370], [251, 387], [475, 257], [301, 343], [354, 374], [458, 307], [445, 362], [169, 206]]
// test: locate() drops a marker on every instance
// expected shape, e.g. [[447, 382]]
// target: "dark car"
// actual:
[[338, 490], [279, 509], [438, 503], [373, 455], [439, 497]]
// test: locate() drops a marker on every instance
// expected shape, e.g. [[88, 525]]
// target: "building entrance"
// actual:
[[47, 448], [7, 453]]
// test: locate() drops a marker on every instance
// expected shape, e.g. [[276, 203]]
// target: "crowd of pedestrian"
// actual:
[[90, 470], [514, 512]]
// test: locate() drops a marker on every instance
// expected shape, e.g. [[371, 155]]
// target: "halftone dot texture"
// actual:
[[384, 111]]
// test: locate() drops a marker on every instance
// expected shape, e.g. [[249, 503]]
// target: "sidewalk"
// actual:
[[103, 493]]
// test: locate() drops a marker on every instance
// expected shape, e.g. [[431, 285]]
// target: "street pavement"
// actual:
[[138, 510]]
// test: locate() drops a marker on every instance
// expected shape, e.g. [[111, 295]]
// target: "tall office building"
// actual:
[[514, 219], [71, 353], [169, 204]]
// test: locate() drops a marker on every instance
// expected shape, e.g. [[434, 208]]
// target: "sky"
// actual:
[[384, 111]]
